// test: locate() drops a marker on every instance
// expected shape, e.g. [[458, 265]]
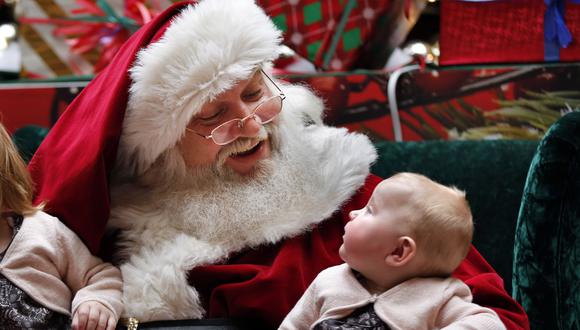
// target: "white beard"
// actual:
[[167, 229]]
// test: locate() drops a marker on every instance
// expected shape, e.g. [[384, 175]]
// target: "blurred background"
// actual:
[[395, 69]]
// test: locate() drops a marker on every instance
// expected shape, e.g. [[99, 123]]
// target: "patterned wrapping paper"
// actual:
[[55, 39], [70, 38], [45, 55], [475, 32], [329, 33]]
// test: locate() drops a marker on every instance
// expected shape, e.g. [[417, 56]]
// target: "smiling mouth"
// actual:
[[248, 152]]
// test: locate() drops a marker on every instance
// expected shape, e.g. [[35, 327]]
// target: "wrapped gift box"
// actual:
[[508, 31], [45, 54], [77, 38], [72, 38], [342, 35]]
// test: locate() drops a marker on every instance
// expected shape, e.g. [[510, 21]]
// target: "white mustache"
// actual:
[[240, 145]]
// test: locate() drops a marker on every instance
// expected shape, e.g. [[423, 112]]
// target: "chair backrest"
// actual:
[[27, 139]]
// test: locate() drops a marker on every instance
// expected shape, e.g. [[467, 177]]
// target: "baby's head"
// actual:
[[410, 220], [15, 182]]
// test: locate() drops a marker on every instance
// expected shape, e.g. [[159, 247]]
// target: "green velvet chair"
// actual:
[[27, 139], [547, 243]]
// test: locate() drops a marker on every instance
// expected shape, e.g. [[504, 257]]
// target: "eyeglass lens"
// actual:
[[264, 113]]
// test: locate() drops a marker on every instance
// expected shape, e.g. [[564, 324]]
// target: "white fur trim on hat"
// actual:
[[204, 52]]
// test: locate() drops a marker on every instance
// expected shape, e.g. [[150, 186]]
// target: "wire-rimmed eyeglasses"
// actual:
[[263, 113]]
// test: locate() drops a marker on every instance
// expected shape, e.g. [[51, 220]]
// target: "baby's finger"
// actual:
[[111, 323], [82, 315], [103, 318], [93, 318], [75, 322]]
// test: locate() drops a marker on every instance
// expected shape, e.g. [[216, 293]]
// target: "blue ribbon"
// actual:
[[556, 33]]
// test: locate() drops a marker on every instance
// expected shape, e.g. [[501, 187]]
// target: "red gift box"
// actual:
[[330, 33], [505, 32]]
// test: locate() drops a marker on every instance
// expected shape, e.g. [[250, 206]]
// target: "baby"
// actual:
[[399, 252], [46, 273]]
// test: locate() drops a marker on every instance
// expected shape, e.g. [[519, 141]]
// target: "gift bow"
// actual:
[[555, 28], [556, 33]]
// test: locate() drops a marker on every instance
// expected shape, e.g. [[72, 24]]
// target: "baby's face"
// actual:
[[373, 231]]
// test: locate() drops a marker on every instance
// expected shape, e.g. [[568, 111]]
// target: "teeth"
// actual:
[[245, 151]]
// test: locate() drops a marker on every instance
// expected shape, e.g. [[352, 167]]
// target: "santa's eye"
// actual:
[[212, 118], [254, 96]]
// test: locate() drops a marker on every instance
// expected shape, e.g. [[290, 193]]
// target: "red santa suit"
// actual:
[[133, 114]]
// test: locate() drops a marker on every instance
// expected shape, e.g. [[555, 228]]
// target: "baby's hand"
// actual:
[[92, 315]]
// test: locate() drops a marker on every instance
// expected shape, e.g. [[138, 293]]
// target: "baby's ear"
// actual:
[[403, 253]]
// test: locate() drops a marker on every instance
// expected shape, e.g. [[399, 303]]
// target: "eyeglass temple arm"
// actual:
[[282, 95], [207, 137]]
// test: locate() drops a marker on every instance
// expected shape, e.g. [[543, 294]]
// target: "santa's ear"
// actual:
[[403, 252]]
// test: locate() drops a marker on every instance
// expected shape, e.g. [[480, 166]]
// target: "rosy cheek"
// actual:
[[346, 231], [351, 235]]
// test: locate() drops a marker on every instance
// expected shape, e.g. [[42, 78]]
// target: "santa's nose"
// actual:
[[250, 126]]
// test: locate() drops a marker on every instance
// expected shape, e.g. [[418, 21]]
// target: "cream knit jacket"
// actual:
[[419, 303], [53, 266]]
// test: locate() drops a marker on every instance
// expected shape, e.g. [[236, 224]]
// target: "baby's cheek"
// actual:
[[353, 240]]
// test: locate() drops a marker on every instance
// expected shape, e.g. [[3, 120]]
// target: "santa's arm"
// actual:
[[487, 289], [155, 279]]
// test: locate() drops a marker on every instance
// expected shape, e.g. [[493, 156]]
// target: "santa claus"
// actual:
[[225, 190]]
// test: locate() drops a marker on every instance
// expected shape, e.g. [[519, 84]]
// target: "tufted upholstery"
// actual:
[[547, 243]]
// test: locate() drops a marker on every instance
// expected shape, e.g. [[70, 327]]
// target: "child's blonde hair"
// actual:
[[441, 221], [16, 188]]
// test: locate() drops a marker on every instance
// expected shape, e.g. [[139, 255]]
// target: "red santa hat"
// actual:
[[140, 105]]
